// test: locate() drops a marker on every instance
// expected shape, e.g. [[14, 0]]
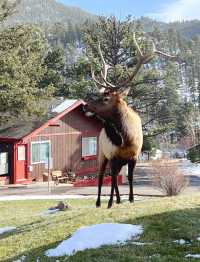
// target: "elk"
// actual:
[[121, 138]]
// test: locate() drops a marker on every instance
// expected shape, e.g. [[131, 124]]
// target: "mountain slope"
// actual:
[[50, 12], [46, 12]]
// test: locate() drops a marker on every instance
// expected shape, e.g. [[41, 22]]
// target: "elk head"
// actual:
[[110, 95]]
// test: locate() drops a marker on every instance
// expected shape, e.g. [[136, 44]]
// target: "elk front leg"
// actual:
[[103, 164], [131, 167]]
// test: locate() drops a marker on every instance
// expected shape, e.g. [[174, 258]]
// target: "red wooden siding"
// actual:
[[65, 137]]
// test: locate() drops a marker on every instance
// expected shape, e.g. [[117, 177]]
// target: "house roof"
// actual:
[[20, 129], [64, 105]]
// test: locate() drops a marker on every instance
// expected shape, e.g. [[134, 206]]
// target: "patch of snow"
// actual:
[[50, 211], [198, 238], [95, 236], [6, 229], [140, 243], [193, 255], [180, 241], [189, 168]]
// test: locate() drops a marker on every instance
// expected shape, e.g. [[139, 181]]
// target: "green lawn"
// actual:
[[164, 220]]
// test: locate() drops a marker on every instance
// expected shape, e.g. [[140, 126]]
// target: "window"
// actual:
[[21, 153], [3, 163], [40, 152], [89, 146]]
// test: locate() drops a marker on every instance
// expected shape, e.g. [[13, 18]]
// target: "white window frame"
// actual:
[[4, 164], [88, 155], [40, 142]]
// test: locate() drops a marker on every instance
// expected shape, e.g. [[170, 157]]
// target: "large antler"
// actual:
[[104, 72], [142, 59]]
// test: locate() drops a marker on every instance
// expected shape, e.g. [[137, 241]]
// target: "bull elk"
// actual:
[[121, 139]]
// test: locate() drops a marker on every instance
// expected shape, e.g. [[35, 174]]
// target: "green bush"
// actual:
[[148, 144], [194, 154]]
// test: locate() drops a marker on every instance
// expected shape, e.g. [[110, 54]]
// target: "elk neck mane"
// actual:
[[117, 129]]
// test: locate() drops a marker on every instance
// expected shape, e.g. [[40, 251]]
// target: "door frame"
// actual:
[[15, 165]]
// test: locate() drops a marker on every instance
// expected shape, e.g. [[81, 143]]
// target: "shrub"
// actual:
[[194, 154], [168, 178]]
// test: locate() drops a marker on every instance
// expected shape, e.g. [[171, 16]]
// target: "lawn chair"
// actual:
[[58, 176]]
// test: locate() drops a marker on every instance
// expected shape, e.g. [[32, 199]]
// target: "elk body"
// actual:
[[121, 139]]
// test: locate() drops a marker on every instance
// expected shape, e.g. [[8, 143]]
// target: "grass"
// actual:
[[164, 220]]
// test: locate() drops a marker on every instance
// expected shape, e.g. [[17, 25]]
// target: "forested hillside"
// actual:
[[47, 12], [167, 93]]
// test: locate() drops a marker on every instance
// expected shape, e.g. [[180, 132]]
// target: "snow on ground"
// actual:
[[6, 229], [198, 238], [193, 256], [140, 243], [180, 241], [189, 168], [50, 211], [95, 236]]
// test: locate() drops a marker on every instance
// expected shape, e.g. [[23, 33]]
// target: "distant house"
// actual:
[[66, 140]]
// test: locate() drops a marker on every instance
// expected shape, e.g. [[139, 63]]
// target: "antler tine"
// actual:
[[103, 87], [104, 72], [108, 84], [157, 52], [137, 46], [106, 67], [140, 62], [143, 59]]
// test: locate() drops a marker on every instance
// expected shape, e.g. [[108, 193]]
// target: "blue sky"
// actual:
[[164, 10]]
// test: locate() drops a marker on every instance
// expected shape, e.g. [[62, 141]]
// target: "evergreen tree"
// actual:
[[150, 90], [22, 68]]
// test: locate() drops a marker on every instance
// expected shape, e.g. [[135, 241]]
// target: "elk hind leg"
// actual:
[[118, 201], [131, 167], [115, 168]]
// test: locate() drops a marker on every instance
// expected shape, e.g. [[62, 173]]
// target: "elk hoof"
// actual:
[[98, 203], [118, 201], [131, 199], [110, 204]]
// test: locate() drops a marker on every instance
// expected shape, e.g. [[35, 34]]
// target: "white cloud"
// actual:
[[178, 11]]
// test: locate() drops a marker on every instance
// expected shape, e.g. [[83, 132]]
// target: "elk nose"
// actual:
[[87, 111], [85, 108]]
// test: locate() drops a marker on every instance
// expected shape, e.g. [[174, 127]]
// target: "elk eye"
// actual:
[[106, 99]]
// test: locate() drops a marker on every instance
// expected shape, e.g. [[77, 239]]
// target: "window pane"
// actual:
[[21, 153], [40, 152], [3, 163], [35, 153], [89, 146], [44, 152]]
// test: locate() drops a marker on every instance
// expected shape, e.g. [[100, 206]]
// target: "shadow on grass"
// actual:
[[160, 230], [38, 224]]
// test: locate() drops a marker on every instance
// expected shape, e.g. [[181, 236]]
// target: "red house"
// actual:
[[68, 138]]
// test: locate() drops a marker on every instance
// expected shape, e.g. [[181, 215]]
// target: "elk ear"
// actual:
[[123, 93]]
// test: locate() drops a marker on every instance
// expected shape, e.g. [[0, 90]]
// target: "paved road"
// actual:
[[142, 185]]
